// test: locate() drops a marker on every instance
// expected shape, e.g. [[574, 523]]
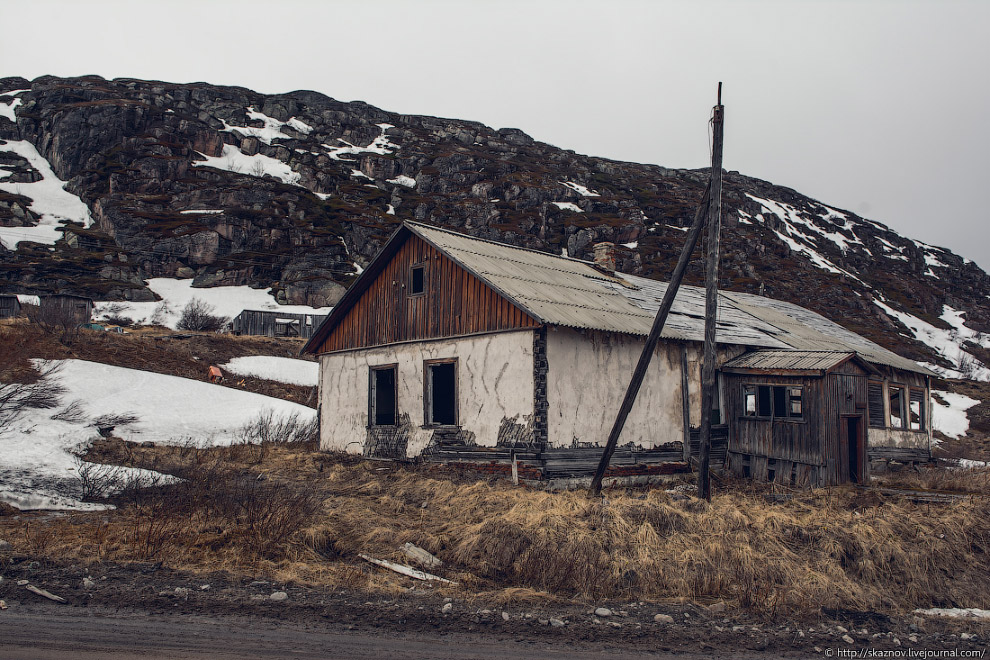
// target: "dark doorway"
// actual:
[[856, 453], [441, 393]]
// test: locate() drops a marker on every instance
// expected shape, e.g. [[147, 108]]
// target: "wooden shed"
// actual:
[[275, 323], [63, 305], [10, 306]]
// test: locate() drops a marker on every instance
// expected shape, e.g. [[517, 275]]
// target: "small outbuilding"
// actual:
[[275, 323], [66, 305], [456, 349], [10, 306]]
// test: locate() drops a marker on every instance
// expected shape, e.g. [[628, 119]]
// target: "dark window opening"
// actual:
[[763, 407], [383, 403], [416, 282], [773, 401], [442, 393]]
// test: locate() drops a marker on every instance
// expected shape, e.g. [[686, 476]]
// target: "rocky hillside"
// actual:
[[298, 191]]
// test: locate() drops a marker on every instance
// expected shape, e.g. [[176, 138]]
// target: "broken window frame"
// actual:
[[413, 270], [917, 395], [898, 393], [765, 402], [878, 420], [428, 399], [373, 394]]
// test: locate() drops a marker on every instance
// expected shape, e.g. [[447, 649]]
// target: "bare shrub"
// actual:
[[58, 320], [200, 316], [106, 423], [71, 412], [123, 321], [25, 383], [269, 428]]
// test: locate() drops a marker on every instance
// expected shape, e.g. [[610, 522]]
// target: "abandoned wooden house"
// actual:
[[275, 323], [65, 306], [461, 350], [10, 306]]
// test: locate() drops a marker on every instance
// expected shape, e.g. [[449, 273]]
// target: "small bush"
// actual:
[[200, 316]]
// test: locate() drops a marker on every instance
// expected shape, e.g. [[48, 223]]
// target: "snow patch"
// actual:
[[38, 467], [201, 211], [8, 110], [403, 180], [49, 200], [281, 369], [568, 206], [14, 92], [176, 294], [631, 246], [390, 210], [579, 189], [259, 165], [947, 343], [950, 417], [380, 145], [272, 129]]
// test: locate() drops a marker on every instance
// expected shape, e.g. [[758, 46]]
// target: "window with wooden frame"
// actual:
[[382, 396], [874, 404], [417, 280], [896, 395], [916, 410], [773, 402], [440, 392]]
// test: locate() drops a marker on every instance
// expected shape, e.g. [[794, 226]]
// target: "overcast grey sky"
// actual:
[[873, 106]]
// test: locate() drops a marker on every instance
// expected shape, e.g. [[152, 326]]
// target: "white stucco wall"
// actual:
[[588, 375], [494, 382]]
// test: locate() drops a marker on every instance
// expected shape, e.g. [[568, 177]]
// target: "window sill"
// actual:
[[451, 427], [787, 420]]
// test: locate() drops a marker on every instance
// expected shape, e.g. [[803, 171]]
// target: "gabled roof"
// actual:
[[811, 362], [558, 290]]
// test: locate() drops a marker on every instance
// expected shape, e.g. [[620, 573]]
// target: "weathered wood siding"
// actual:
[[9, 307], [263, 323], [798, 440], [845, 395], [454, 303]]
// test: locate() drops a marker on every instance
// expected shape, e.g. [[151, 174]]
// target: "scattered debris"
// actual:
[[45, 594], [3, 605], [421, 556], [447, 608], [404, 570]]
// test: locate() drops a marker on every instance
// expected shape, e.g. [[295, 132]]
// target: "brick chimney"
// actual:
[[605, 257]]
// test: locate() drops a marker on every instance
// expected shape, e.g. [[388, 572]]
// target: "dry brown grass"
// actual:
[[831, 548]]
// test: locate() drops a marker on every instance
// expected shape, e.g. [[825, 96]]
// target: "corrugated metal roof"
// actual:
[[789, 360], [569, 292]]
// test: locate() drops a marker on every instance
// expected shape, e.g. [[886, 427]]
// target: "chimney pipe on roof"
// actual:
[[605, 257]]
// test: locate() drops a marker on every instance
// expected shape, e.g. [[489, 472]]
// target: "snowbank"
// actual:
[[176, 294], [281, 369], [950, 417], [968, 612], [49, 200], [38, 467]]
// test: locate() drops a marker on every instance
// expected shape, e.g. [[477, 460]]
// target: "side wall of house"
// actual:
[[588, 372], [495, 398]]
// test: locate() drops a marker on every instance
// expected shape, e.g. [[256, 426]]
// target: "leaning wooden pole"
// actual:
[[690, 241], [711, 302]]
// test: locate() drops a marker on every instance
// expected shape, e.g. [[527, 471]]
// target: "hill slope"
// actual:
[[298, 191]]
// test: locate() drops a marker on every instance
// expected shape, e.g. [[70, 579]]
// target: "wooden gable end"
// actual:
[[453, 303]]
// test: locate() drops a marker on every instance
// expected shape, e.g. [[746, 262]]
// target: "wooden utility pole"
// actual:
[[711, 301], [690, 241]]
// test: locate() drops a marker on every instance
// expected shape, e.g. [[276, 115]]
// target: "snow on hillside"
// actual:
[[281, 369], [947, 343], [272, 130], [38, 467], [176, 294], [49, 200], [259, 165], [949, 413], [380, 145]]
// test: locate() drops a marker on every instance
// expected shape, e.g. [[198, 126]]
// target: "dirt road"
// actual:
[[44, 635]]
